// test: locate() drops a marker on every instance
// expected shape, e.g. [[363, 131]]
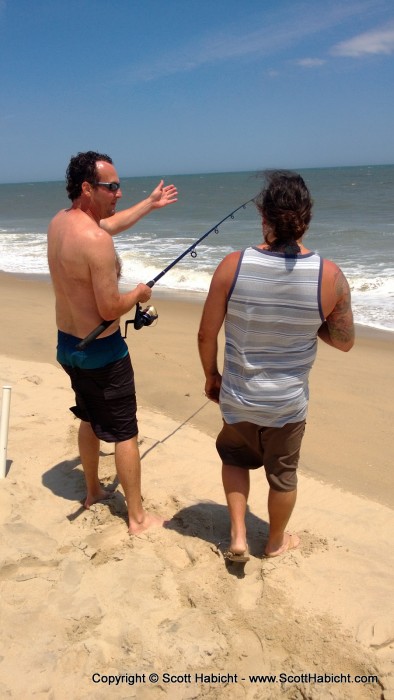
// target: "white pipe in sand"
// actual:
[[4, 422]]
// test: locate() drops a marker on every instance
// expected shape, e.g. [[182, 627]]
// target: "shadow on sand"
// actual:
[[206, 520], [210, 521], [68, 482]]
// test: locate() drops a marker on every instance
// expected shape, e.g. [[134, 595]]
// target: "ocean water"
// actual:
[[352, 224]]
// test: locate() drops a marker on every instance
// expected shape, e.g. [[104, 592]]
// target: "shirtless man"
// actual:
[[276, 299], [84, 271]]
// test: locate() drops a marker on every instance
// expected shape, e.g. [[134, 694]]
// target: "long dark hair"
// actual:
[[285, 204]]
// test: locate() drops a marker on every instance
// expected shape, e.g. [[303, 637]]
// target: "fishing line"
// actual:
[[147, 316], [167, 437]]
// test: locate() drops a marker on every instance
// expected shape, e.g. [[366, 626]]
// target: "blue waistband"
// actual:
[[99, 353]]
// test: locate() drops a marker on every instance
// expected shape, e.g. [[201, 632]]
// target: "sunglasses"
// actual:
[[111, 186]]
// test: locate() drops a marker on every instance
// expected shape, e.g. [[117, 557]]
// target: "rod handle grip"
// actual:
[[93, 335]]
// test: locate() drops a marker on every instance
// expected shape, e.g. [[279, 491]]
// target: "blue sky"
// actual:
[[188, 86]]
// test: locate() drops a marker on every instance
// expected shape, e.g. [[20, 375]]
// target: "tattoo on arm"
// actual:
[[340, 320]]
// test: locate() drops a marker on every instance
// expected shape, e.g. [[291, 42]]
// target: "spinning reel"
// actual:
[[143, 317]]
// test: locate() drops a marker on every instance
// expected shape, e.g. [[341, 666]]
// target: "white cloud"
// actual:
[[310, 62], [272, 34], [379, 41]]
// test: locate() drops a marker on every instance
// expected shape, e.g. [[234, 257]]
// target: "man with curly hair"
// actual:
[[276, 299], [85, 270]]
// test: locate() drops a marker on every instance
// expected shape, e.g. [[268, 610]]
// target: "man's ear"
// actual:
[[87, 188]]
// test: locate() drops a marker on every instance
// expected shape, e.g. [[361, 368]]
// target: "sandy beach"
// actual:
[[90, 612]]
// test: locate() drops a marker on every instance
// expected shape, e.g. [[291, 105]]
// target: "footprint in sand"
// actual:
[[26, 568], [34, 379], [376, 633]]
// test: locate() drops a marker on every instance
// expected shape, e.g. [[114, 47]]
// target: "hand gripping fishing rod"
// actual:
[[146, 317]]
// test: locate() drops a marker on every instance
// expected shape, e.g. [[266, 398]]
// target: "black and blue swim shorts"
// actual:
[[104, 395]]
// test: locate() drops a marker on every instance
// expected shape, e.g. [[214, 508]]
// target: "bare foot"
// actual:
[[100, 495], [290, 541], [149, 520], [238, 545]]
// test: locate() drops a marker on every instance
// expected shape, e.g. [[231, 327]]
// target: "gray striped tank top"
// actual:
[[273, 315]]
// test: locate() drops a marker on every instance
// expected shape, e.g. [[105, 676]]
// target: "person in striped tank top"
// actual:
[[275, 300]]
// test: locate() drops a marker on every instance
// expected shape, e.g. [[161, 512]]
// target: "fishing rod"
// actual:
[[147, 316]]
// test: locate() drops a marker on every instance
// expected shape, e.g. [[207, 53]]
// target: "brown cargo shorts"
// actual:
[[251, 446]]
